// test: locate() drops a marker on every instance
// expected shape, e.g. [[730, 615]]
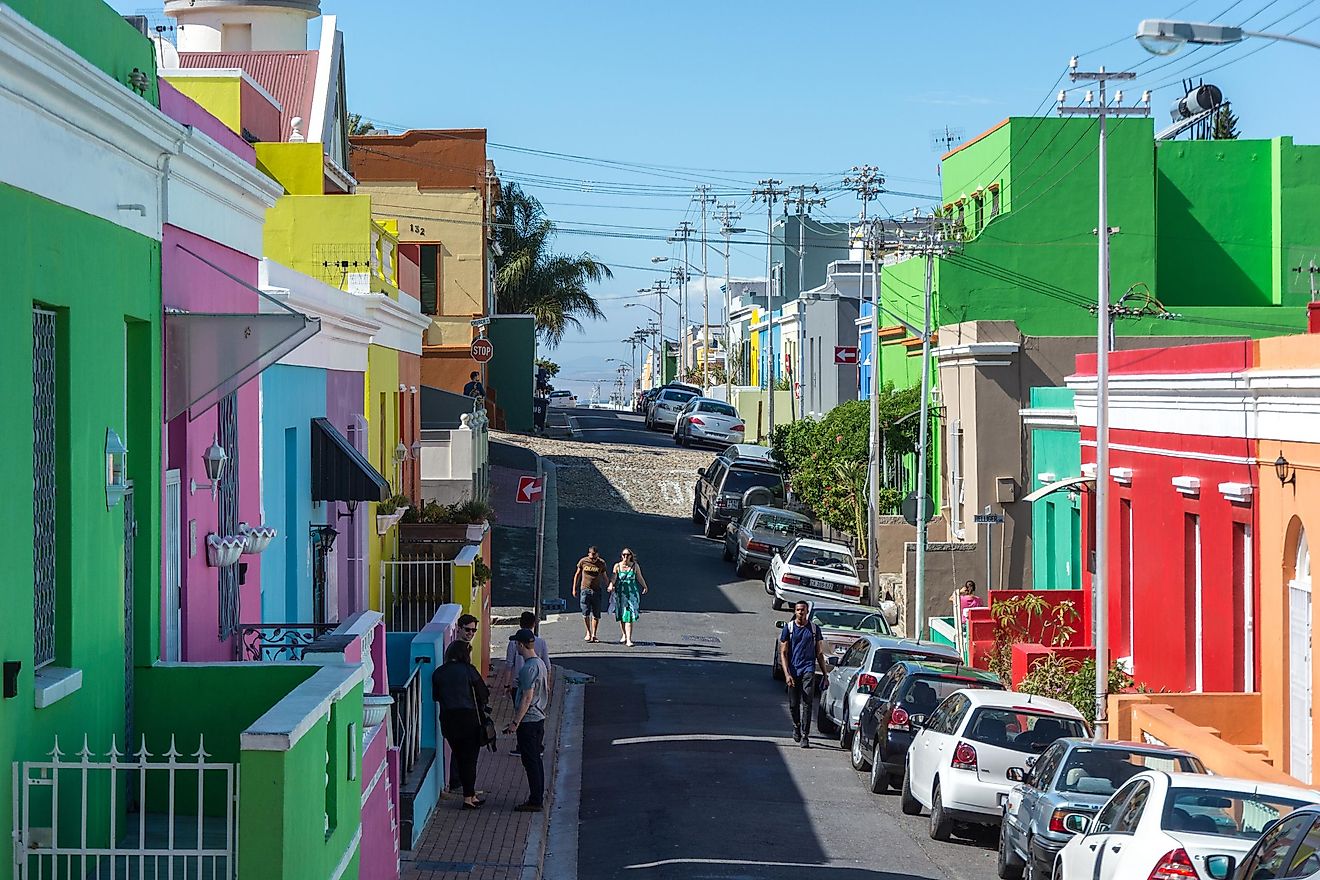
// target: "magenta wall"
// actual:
[[181, 108], [344, 393], [190, 283]]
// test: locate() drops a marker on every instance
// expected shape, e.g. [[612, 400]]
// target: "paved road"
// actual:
[[689, 771], [609, 426]]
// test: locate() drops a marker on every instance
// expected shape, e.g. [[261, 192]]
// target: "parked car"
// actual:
[[722, 487], [664, 410], [859, 675], [812, 569], [1291, 849], [892, 712], [840, 627], [752, 540], [748, 452], [644, 399], [566, 399], [1175, 825], [708, 421], [958, 764], [1071, 776]]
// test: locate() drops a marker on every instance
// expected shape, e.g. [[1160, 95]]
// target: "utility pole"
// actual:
[[705, 198], [684, 234], [803, 203], [658, 287], [769, 191], [727, 218], [1102, 109]]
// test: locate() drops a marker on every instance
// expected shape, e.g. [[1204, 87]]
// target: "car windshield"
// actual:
[[885, 659], [739, 481], [1104, 771], [782, 525], [677, 396], [824, 559], [861, 619], [1226, 813], [722, 409], [924, 692], [1020, 730]]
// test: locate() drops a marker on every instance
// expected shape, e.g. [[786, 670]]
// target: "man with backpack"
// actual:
[[801, 653]]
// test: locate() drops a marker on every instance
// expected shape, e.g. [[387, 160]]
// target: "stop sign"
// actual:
[[482, 350]]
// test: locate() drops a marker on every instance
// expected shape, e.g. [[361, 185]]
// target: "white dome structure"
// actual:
[[242, 25]]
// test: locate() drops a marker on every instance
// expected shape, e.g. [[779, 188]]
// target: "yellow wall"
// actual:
[[451, 218], [755, 365], [299, 167], [221, 96], [314, 234], [381, 408]]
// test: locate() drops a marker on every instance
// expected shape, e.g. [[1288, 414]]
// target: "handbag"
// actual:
[[487, 735]]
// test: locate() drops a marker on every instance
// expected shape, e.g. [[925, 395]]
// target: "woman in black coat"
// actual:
[[459, 690]]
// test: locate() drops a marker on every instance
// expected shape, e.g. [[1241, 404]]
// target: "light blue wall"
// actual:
[[290, 398]]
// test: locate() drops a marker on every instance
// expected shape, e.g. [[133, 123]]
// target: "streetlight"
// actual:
[[1164, 37]]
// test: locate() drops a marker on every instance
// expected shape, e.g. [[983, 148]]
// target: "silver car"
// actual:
[[705, 420], [664, 410], [1071, 776], [754, 538]]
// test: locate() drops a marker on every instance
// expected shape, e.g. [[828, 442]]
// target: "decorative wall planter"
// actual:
[[386, 521], [224, 550], [255, 540], [441, 533], [376, 708]]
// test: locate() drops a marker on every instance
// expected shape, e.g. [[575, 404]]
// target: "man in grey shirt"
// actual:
[[528, 722]]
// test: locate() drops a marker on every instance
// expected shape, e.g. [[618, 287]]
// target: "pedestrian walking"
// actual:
[[589, 582], [465, 630], [801, 653], [462, 698], [628, 585], [528, 723]]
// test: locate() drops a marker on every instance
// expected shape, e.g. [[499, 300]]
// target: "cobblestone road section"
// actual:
[[620, 477]]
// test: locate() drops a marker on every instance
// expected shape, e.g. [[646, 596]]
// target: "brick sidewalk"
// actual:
[[491, 843]]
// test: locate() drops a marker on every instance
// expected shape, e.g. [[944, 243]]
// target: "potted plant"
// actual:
[[390, 511], [433, 522]]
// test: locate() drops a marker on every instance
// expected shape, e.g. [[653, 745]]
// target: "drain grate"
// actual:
[[704, 640]]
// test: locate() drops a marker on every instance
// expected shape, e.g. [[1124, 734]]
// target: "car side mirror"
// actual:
[[779, 624], [1076, 823], [1220, 867], [701, 472], [832, 661], [1016, 774], [917, 720]]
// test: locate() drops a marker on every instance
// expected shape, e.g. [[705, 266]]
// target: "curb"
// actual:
[[562, 789]]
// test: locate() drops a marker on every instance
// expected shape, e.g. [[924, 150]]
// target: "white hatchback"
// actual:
[[815, 570], [959, 765], [1169, 824]]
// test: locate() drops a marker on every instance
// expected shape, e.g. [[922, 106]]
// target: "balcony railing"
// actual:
[[413, 590], [278, 641], [406, 720]]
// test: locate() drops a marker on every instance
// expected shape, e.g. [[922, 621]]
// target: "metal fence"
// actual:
[[412, 590], [70, 816], [44, 442], [406, 720], [277, 641]]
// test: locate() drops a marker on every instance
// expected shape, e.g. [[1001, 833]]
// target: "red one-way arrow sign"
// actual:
[[845, 355], [530, 489]]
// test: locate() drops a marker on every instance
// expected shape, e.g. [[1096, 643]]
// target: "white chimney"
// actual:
[[242, 25]]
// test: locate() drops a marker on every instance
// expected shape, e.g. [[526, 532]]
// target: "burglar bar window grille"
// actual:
[[228, 499], [44, 391]]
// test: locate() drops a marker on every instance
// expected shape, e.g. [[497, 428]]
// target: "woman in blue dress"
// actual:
[[628, 586]]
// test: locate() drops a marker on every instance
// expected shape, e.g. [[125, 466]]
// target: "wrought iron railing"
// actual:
[[278, 641], [406, 720], [413, 590]]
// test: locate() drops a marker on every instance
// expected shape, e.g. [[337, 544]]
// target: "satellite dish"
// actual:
[[166, 55]]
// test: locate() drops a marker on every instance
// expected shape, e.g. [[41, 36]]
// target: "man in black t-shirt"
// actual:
[[589, 583], [474, 388]]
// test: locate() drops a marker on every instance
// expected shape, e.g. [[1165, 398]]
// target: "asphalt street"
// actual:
[[688, 766]]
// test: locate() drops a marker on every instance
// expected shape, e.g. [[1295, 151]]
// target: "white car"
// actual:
[[812, 569], [959, 764], [708, 421], [1166, 825], [664, 410], [565, 399]]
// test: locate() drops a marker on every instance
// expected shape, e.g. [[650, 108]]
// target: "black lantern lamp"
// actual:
[[1285, 472]]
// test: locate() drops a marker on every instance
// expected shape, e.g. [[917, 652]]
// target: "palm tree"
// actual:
[[532, 280], [358, 125]]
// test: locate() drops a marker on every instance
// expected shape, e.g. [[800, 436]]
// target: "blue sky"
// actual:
[[800, 91]]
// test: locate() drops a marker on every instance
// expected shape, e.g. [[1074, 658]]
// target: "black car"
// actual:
[[1288, 849], [722, 490], [897, 707]]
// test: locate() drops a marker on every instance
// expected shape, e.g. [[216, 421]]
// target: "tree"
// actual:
[[1226, 121], [531, 279], [358, 125], [551, 368]]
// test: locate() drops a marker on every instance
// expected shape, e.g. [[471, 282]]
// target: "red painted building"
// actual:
[[1181, 588]]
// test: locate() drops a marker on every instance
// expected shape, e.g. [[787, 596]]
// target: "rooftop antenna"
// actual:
[[942, 140]]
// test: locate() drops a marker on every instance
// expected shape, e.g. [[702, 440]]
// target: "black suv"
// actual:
[[720, 493], [910, 691]]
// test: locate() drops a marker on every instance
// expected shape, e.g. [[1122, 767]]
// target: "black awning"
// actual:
[[339, 471]]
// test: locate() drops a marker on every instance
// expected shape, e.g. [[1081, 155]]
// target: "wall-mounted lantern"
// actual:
[[213, 459], [326, 535], [1284, 471], [116, 469], [400, 453]]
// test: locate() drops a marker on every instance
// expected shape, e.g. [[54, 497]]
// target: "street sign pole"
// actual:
[[989, 520]]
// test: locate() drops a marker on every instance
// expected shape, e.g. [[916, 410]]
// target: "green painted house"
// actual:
[[1056, 519]]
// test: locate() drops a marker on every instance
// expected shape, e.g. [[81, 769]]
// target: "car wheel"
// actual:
[[1036, 871], [856, 756], [1008, 865], [776, 670], [823, 722], [696, 511], [742, 569], [711, 528], [879, 775], [941, 826], [728, 554], [907, 802], [775, 602]]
